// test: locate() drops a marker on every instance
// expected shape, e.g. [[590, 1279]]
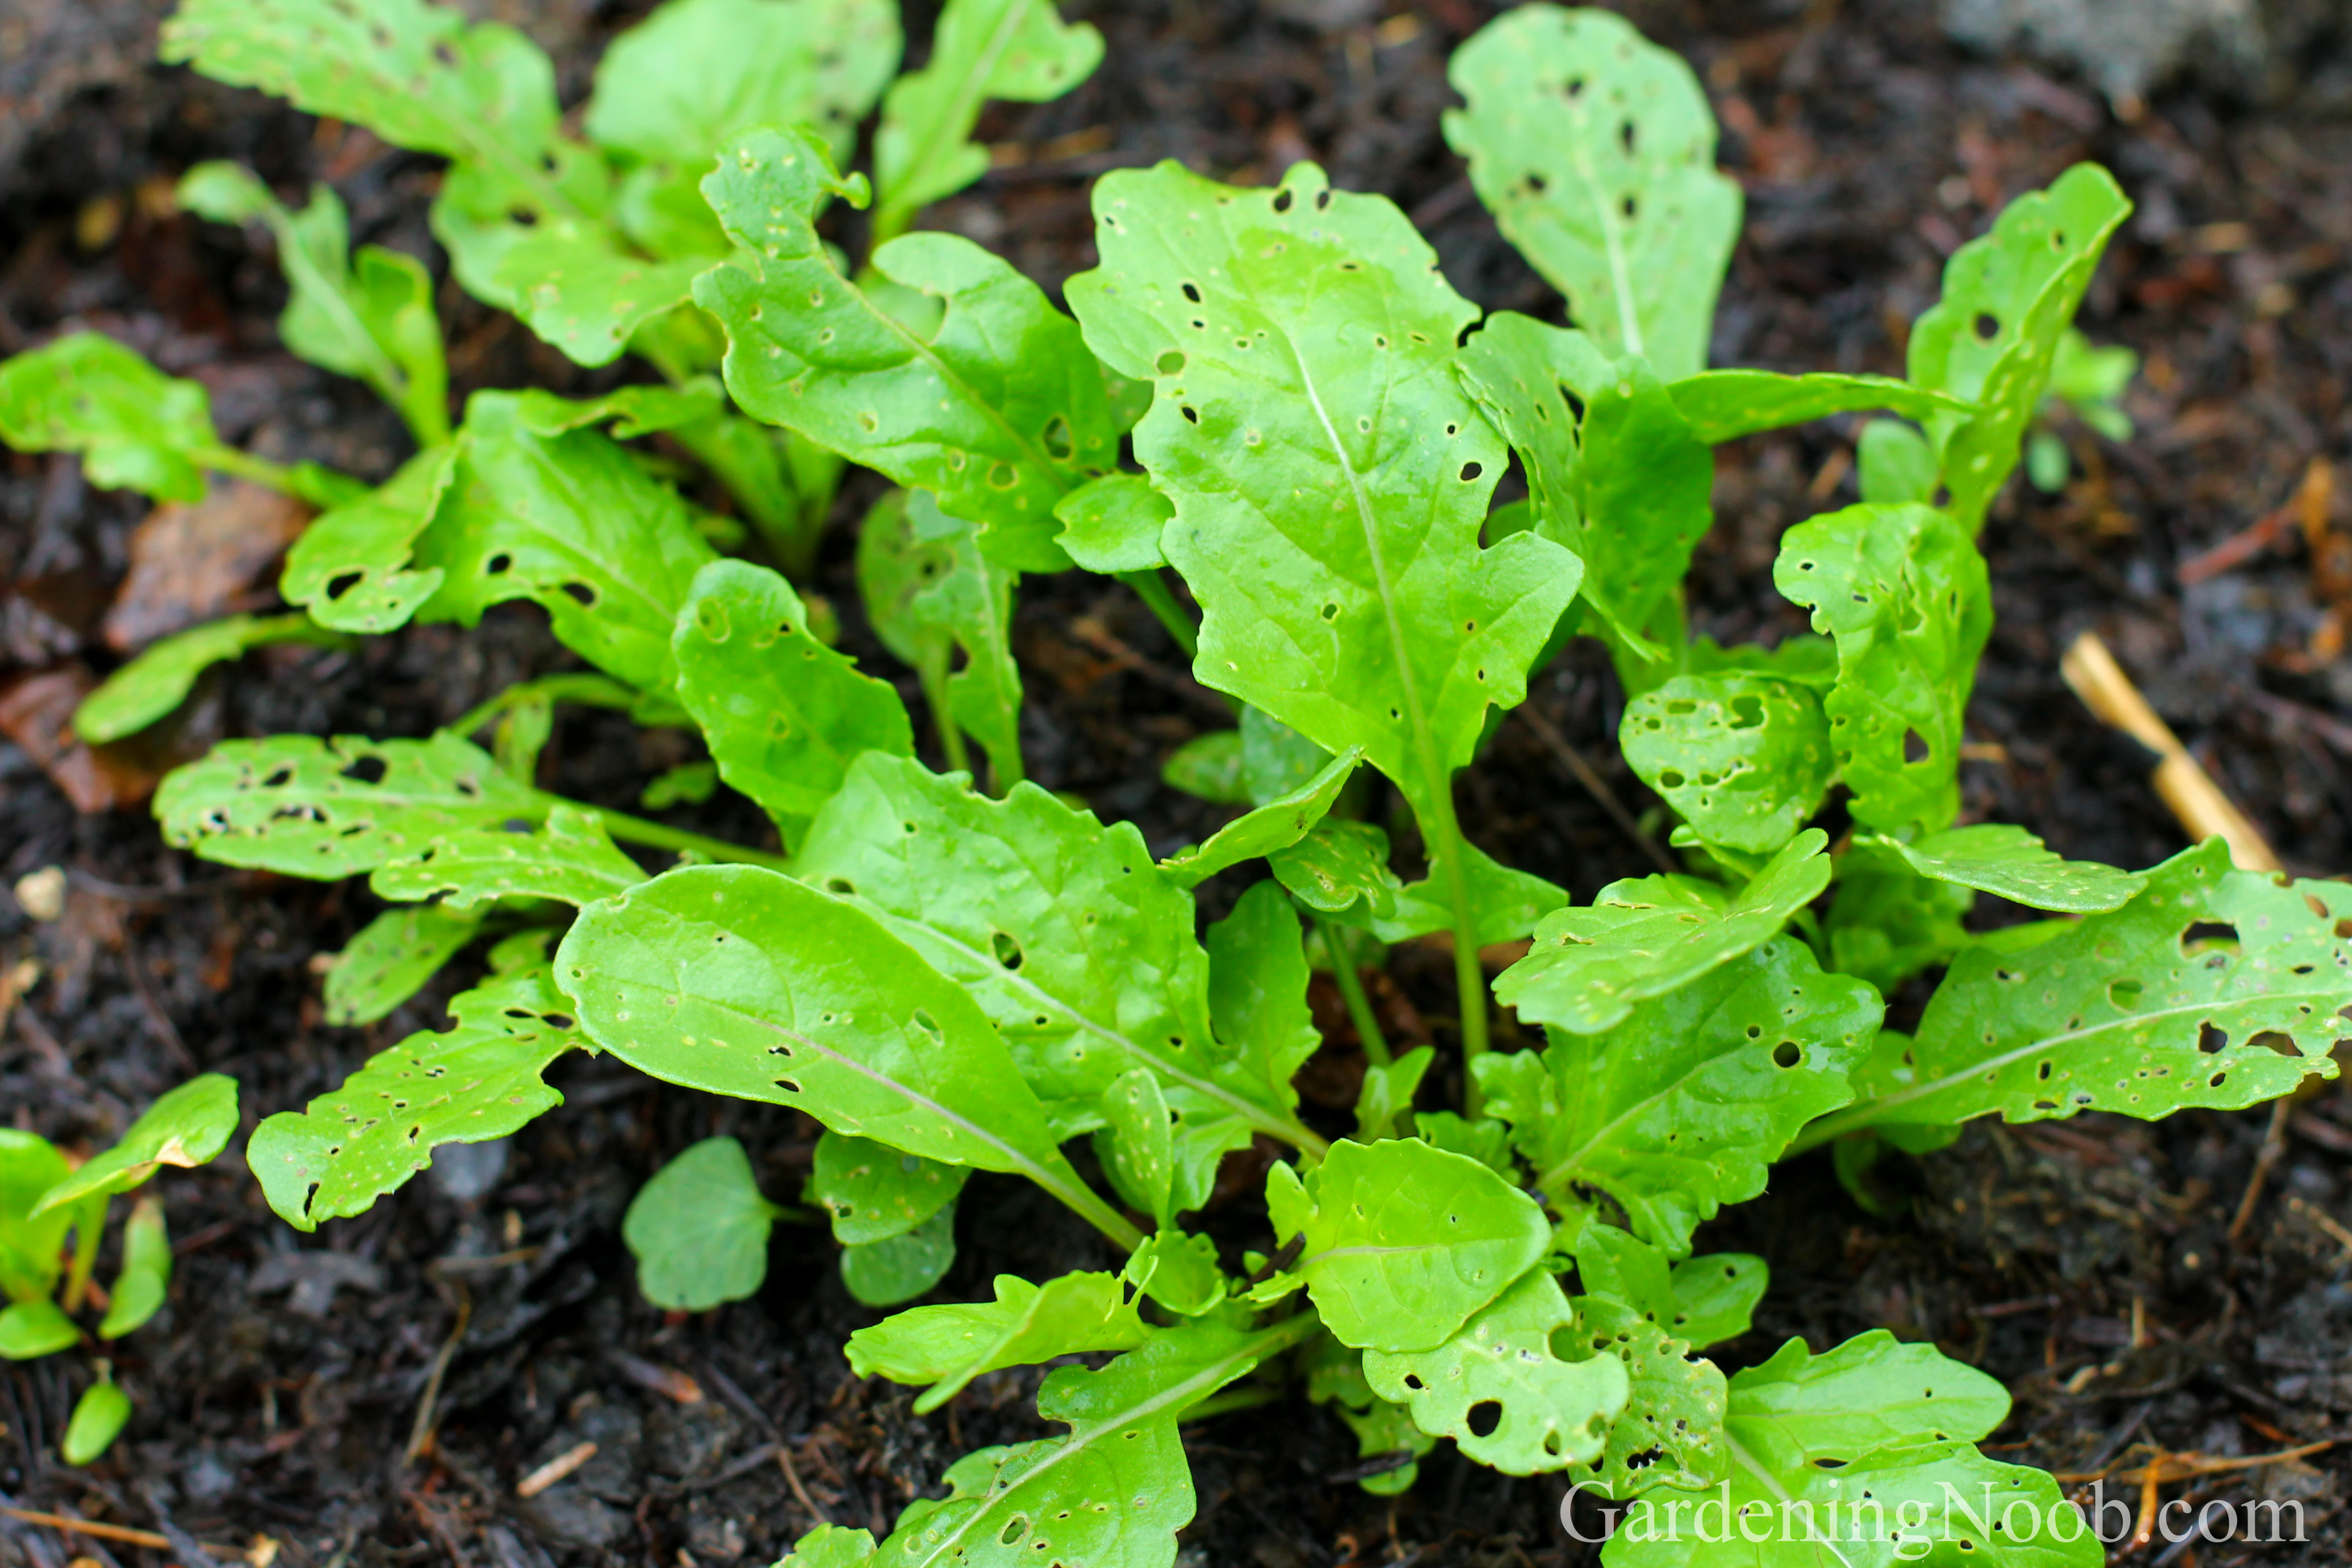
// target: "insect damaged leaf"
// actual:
[[1745, 759], [874, 1192], [569, 857], [393, 957], [948, 1346], [351, 567], [2001, 859], [135, 427], [186, 1127]]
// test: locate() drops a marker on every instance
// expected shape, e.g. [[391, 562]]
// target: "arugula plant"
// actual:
[[952, 981], [46, 1196]]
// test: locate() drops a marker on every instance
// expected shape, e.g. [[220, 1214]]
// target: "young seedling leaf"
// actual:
[[1137, 1144], [900, 1268], [1403, 1243], [1595, 151], [187, 1127], [1180, 1272], [1113, 523], [2007, 860], [1257, 986], [575, 525], [1017, 49], [161, 678], [569, 858], [306, 806], [795, 998], [392, 958], [99, 1417], [1871, 1392], [948, 1346], [1679, 1108], [1744, 759], [29, 1244], [1671, 1433], [699, 1229], [1272, 826], [633, 411], [1485, 1140], [1386, 1096], [1725, 405], [479, 1080], [145, 1279], [1209, 767], [1887, 922], [874, 1192], [970, 604], [1716, 1296], [784, 715], [2008, 297], [34, 1327], [1341, 867], [2170, 1001], [1905, 595], [1541, 1411], [1894, 463], [349, 568], [1647, 936], [135, 427], [583, 292], [997, 408]]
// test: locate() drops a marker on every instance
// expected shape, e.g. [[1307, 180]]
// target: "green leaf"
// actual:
[[1113, 523], [1553, 1411], [1618, 477], [1329, 482], [874, 1192], [1486, 1141], [1388, 1090], [478, 1080], [1062, 931], [699, 1229], [1906, 597], [1671, 1433], [1257, 986], [29, 1247], [569, 857], [1404, 1243], [674, 89], [1276, 825], [1887, 922], [1504, 903], [1895, 464], [633, 411], [1276, 759], [1595, 151], [791, 996], [146, 1276], [1725, 405], [34, 1327], [1743, 758], [98, 1417], [1679, 1108], [1995, 857], [689, 784], [784, 715], [895, 567], [2009, 297], [349, 568], [900, 1268], [2138, 1011], [573, 523], [187, 1127], [374, 320], [998, 408], [1137, 1144], [1647, 936], [585, 293], [948, 1346], [161, 678], [1716, 1296], [1616, 1264], [1180, 1272], [972, 603], [1016, 49], [1210, 767], [393, 957], [134, 426], [1341, 867]]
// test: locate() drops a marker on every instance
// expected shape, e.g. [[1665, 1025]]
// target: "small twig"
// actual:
[[420, 1435], [793, 1480], [1573, 761], [2273, 1145], [96, 1531], [556, 1469], [2335, 1230], [2169, 1467]]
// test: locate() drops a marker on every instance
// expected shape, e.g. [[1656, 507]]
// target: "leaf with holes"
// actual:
[[161, 678], [1595, 151], [134, 426], [2168, 1001], [186, 1127], [1341, 867], [1716, 1296], [1671, 1433], [478, 1080], [699, 1228], [569, 858], [572, 523], [874, 1192], [1997, 858], [393, 957], [1328, 473], [997, 408], [351, 567], [1743, 758], [1502, 1391], [1647, 936], [2008, 297], [1725, 405], [1113, 523], [970, 604], [946, 1347], [310, 807], [1906, 597], [1271, 827], [1016, 49], [742, 981], [1680, 1107], [784, 715], [900, 1268], [586, 293], [1402, 1243]]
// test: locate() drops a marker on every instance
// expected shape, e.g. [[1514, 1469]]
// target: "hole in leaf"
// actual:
[[2212, 1039], [367, 770], [1470, 472], [581, 594], [1484, 1418], [338, 586], [1988, 326], [1282, 200], [1059, 441], [1007, 951], [497, 565], [1787, 1054], [2204, 935], [840, 884], [1916, 748]]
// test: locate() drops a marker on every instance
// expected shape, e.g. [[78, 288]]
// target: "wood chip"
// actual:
[[554, 1470]]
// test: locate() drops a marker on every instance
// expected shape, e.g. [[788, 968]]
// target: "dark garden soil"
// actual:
[[372, 1395]]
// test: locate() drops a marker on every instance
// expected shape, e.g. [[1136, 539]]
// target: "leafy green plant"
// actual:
[[46, 1197], [953, 981]]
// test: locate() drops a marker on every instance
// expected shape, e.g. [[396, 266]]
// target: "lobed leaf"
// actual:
[[187, 1127], [161, 678], [1725, 405], [478, 1080], [699, 1229], [393, 957], [135, 427], [1595, 151], [1671, 1433], [1272, 827], [874, 1192], [351, 567], [583, 292], [569, 857], [1744, 759], [2000, 858], [948, 1346]]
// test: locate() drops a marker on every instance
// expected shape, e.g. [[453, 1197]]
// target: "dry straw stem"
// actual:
[[2185, 785]]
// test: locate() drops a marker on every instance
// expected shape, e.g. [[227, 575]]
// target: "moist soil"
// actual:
[[373, 1393]]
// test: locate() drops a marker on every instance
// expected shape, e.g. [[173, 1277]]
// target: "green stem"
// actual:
[[1233, 1399], [1088, 1204], [933, 674], [1339, 942], [661, 836], [1152, 588], [1448, 848], [587, 689]]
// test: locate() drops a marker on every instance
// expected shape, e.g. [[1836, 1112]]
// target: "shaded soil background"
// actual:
[[2093, 1265]]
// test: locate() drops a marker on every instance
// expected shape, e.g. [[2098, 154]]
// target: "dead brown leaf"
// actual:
[[193, 563], [37, 712]]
